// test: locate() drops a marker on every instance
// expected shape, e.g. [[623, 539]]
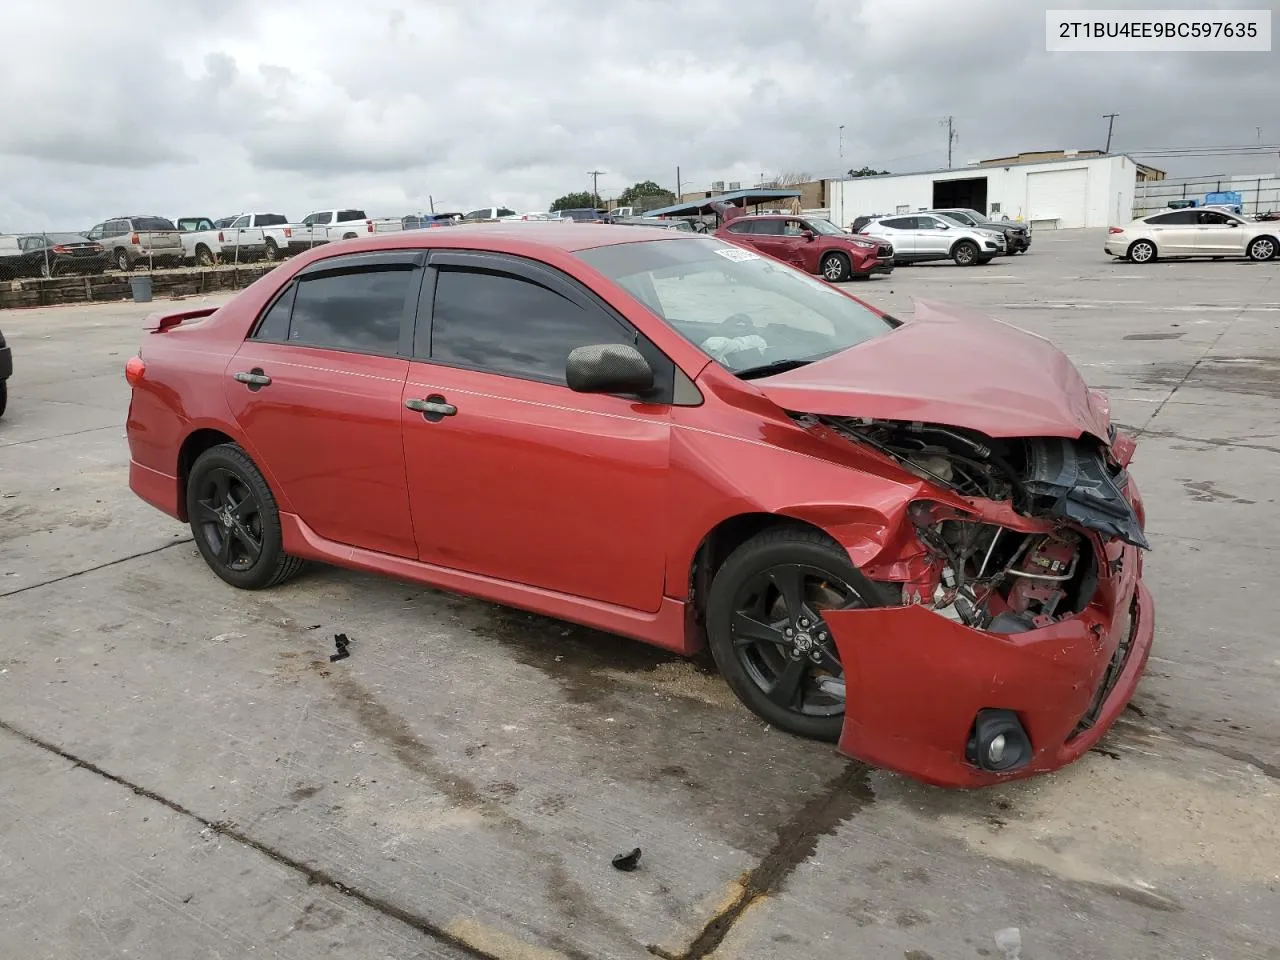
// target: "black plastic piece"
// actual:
[[990, 724], [1075, 477]]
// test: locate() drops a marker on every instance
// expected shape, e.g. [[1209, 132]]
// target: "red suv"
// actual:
[[815, 246], [917, 538]]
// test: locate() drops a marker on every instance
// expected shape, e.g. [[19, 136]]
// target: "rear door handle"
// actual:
[[255, 379], [434, 408]]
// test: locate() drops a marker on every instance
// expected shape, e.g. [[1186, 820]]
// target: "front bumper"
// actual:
[[915, 681]]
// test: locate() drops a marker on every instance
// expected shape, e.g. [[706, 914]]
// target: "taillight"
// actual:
[[221, 238], [133, 370], [288, 232], [135, 239], [59, 249], [1116, 230], [369, 225]]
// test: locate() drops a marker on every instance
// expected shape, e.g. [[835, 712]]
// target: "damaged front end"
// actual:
[[1022, 627]]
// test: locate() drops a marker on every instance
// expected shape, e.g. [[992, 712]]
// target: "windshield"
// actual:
[[825, 227], [750, 314], [958, 216]]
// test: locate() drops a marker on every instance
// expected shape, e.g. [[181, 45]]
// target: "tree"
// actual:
[[632, 196], [867, 172], [574, 201]]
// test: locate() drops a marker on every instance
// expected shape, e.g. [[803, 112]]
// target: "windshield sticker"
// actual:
[[737, 254]]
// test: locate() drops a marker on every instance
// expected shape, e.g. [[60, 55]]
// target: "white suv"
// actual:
[[917, 237]]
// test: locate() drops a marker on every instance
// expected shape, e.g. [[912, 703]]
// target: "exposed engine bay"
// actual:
[[983, 574]]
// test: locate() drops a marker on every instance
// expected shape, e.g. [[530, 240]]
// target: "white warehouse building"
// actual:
[[1074, 191]]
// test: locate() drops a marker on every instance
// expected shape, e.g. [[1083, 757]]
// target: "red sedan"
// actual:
[[918, 539], [813, 245]]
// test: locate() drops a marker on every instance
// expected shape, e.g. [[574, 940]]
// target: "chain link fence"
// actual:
[[1257, 194]]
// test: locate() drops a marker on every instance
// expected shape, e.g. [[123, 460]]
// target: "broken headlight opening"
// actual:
[[1050, 478]]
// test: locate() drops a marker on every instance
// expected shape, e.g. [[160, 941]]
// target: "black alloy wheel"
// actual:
[[767, 633], [235, 521]]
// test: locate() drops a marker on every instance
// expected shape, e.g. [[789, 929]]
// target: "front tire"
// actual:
[[1142, 251], [4, 396], [766, 632], [1263, 248], [965, 253], [835, 268], [235, 521], [122, 261]]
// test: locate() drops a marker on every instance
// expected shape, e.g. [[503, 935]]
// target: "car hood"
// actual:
[[949, 366]]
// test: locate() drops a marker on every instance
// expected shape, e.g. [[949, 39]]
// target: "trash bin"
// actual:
[[141, 289]]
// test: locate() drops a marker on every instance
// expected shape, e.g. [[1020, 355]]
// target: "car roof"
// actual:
[[536, 234]]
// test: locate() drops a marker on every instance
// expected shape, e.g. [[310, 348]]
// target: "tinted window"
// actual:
[[503, 324], [351, 311], [345, 216], [769, 228], [743, 226], [319, 217], [900, 223], [115, 228], [1213, 216], [275, 323], [504, 212], [271, 220], [1178, 216], [153, 223]]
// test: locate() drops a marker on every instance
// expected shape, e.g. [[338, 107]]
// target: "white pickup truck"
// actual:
[[281, 237], [206, 242], [325, 225]]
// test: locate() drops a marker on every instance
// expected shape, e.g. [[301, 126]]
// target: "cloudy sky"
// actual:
[[179, 107]]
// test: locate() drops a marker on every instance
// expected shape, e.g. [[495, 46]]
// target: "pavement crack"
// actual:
[[59, 436], [223, 828], [797, 839], [94, 569]]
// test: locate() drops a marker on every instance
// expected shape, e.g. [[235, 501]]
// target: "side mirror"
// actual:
[[807, 234], [608, 368], [943, 226]]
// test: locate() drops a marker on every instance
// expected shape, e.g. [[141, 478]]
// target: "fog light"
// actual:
[[998, 742], [995, 749]]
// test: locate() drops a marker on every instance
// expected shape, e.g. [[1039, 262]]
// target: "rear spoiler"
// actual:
[[160, 322]]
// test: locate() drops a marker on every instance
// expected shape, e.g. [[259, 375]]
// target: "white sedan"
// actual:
[[1193, 232]]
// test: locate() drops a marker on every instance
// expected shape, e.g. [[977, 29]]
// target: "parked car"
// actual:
[[1017, 236], [488, 213], [50, 254], [6, 371], [1226, 199], [919, 237], [813, 245], [278, 235], [206, 242], [325, 226], [128, 240], [659, 222], [1197, 232], [584, 215], [424, 221], [713, 448]]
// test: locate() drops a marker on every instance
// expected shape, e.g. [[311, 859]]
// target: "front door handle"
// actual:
[[434, 408], [254, 379]]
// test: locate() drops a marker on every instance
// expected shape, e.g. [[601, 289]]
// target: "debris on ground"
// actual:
[[629, 861], [1009, 943], [341, 642]]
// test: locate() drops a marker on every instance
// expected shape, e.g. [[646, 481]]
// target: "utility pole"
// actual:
[[952, 136], [842, 141], [431, 200], [595, 184], [679, 192], [1111, 122]]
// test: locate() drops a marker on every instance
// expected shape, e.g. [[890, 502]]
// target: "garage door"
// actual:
[[1057, 198]]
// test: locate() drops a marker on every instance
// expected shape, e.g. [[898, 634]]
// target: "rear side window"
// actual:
[[504, 212], [360, 311], [347, 215], [900, 223], [504, 324], [271, 220], [1178, 216], [152, 223]]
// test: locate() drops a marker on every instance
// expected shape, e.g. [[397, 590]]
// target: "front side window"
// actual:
[[239, 223], [501, 323], [743, 226], [824, 228], [360, 310], [747, 312]]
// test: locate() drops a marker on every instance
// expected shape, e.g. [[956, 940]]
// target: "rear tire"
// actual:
[[758, 577], [4, 396], [965, 253], [273, 252], [1142, 251], [235, 520], [204, 256], [348, 236], [122, 261], [835, 268]]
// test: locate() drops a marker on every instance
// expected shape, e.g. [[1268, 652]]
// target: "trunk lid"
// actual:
[[953, 367]]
